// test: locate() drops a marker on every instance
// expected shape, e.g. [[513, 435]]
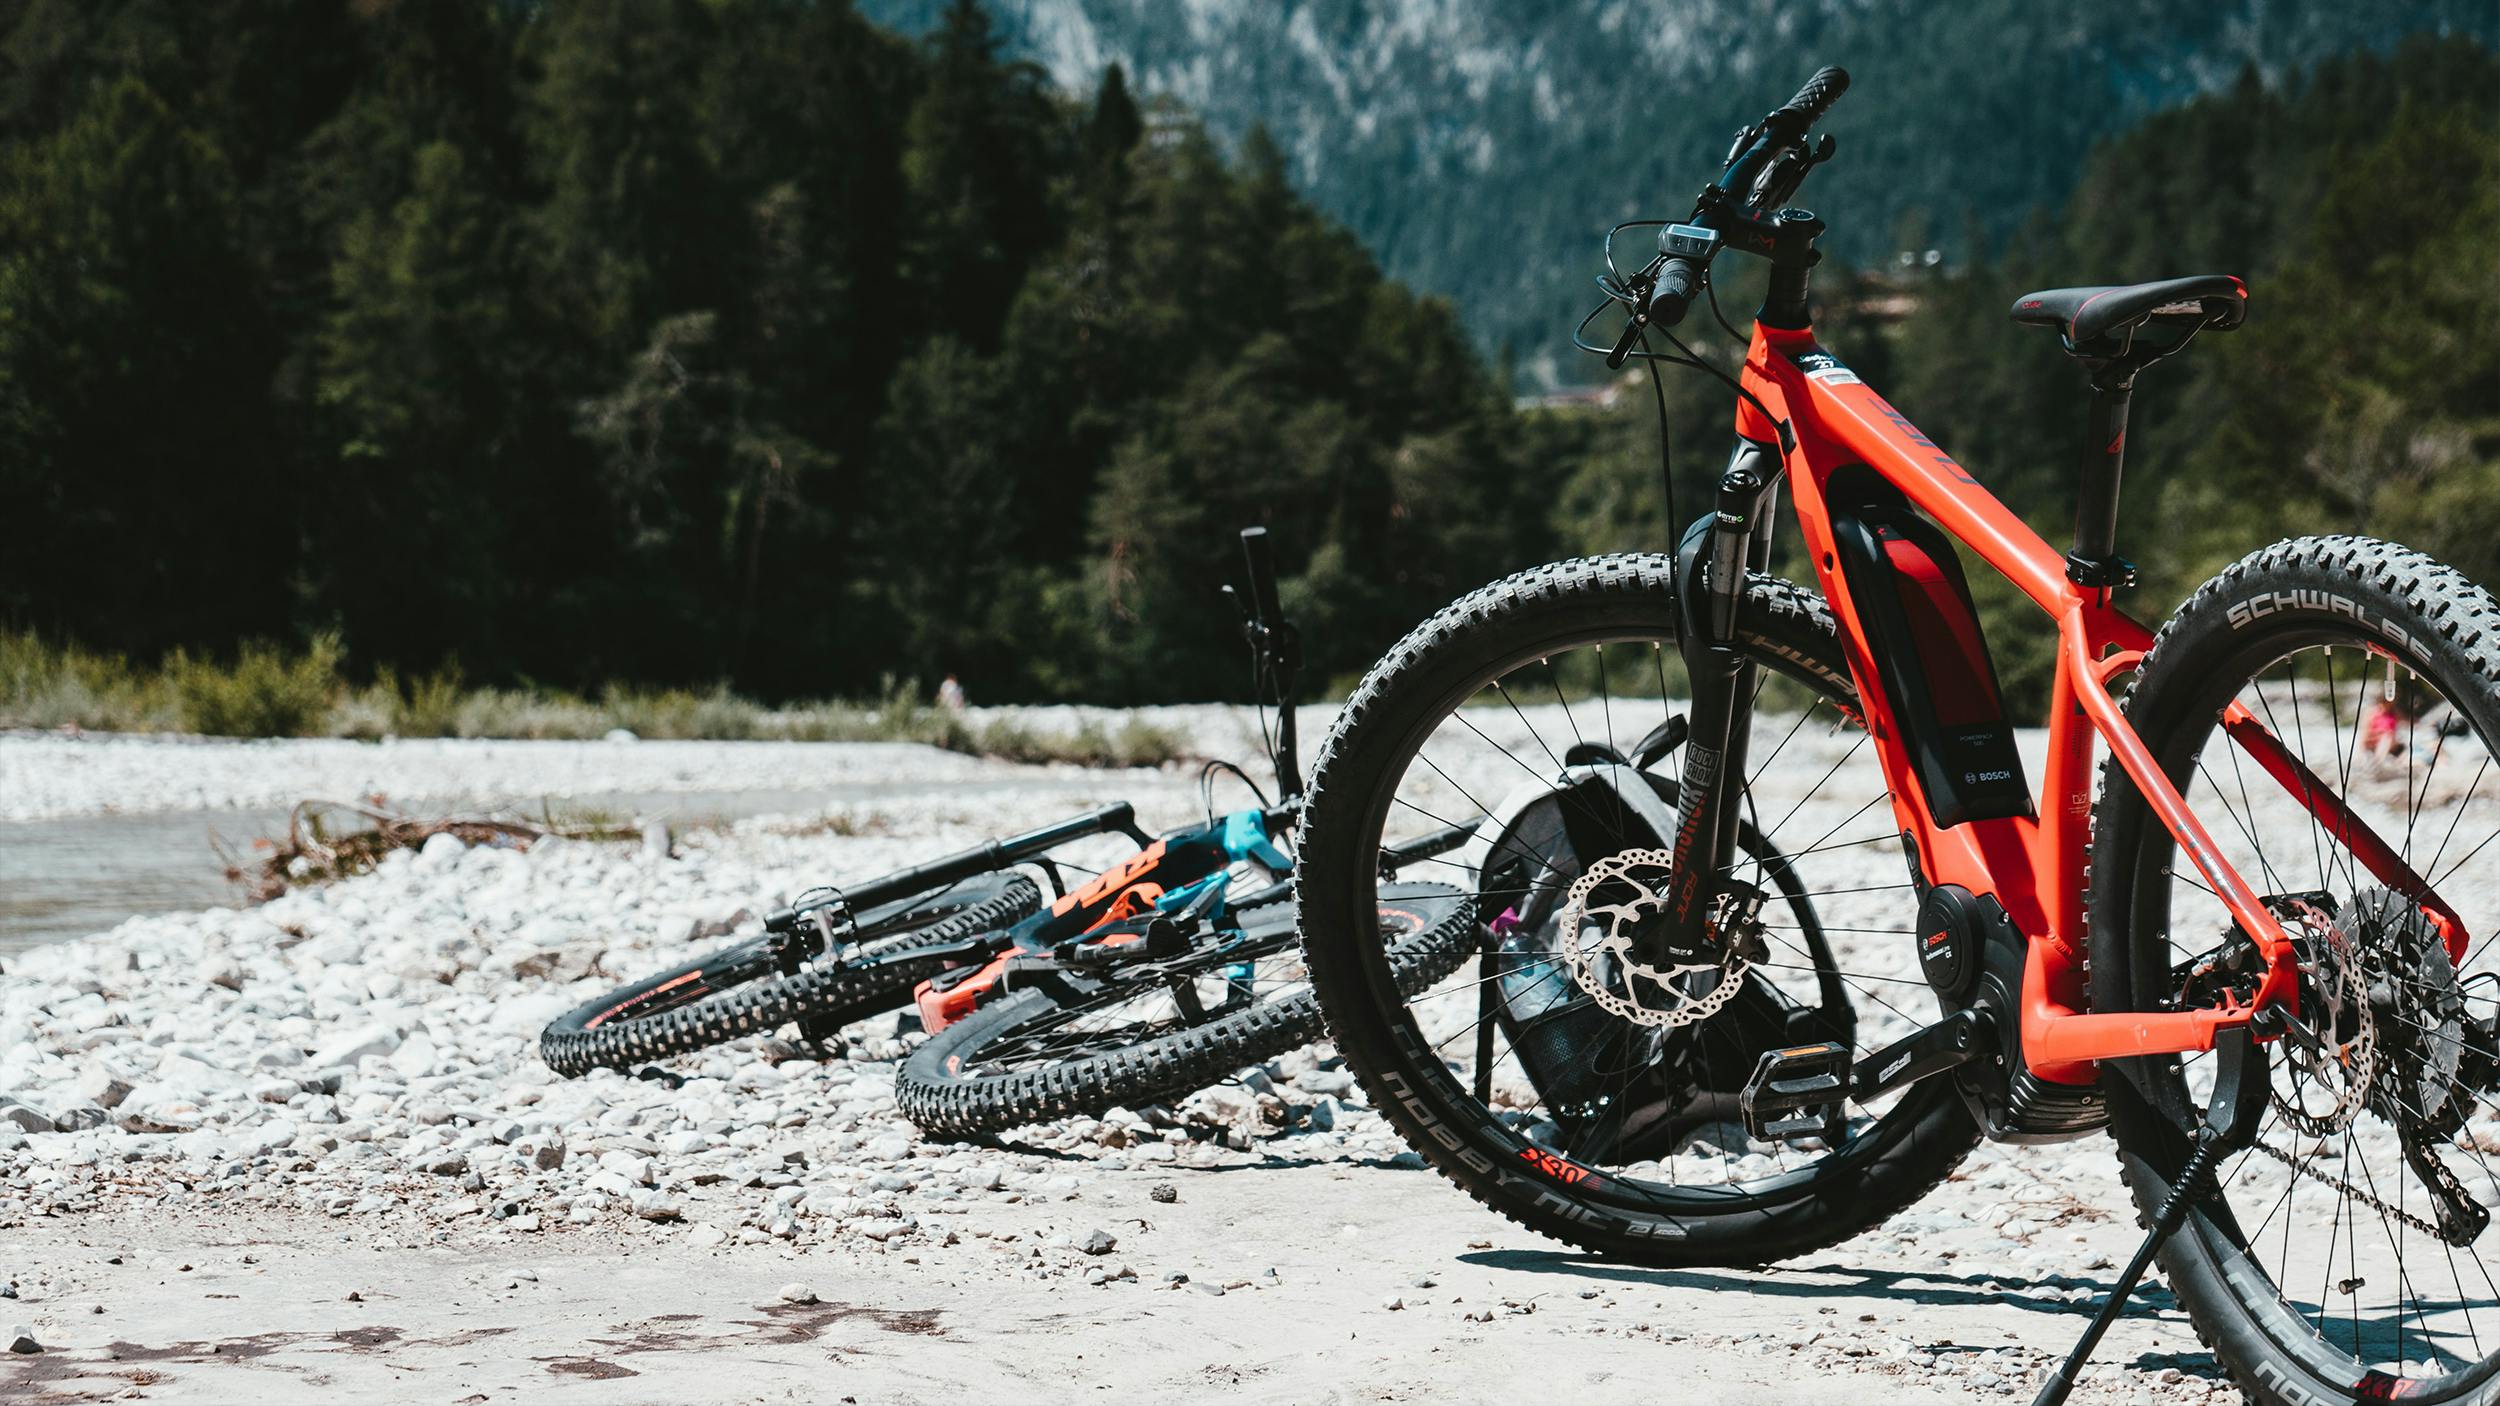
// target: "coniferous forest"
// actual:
[[682, 342]]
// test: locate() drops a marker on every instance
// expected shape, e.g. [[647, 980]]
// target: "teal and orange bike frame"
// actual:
[[1796, 394]]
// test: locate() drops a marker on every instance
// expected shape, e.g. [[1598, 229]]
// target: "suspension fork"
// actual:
[[1710, 571]]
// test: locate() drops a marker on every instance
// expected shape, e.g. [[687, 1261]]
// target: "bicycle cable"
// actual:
[[1206, 780]]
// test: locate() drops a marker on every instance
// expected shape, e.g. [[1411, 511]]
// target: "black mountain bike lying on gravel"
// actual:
[[1747, 1009], [1183, 980], [1145, 982]]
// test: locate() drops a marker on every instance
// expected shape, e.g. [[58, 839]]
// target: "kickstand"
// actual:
[[2230, 1124]]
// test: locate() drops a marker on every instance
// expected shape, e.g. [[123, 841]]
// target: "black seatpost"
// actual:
[[2094, 563], [2239, 1100], [1275, 654]]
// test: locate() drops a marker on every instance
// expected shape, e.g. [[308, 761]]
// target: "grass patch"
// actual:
[[264, 691]]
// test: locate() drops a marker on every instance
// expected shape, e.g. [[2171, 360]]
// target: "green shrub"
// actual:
[[268, 692], [427, 707], [41, 686], [262, 694]]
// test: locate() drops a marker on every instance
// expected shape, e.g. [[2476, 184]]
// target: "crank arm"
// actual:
[[1950, 1043]]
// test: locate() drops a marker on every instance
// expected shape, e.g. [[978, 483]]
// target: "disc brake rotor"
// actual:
[[2341, 1057], [1597, 944]]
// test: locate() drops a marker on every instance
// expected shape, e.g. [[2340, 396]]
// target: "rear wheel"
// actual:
[[742, 990], [2322, 1270], [1512, 1076]]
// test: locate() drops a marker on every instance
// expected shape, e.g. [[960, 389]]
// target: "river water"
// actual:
[[69, 877]]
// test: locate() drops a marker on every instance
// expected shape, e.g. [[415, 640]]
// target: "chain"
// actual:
[[2304, 1166]]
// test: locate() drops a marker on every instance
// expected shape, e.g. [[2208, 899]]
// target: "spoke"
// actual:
[[1553, 680], [2454, 820], [1764, 767], [2300, 734], [2248, 808], [1773, 832], [1502, 689], [1605, 699]]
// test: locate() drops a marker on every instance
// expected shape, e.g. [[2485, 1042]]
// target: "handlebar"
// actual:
[[1763, 168], [1261, 554], [1276, 652]]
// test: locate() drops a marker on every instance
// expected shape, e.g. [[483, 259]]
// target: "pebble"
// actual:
[[1099, 1242], [22, 1341], [797, 1293]]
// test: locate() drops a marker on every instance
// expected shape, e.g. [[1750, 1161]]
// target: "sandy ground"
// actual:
[[260, 1307], [306, 1151]]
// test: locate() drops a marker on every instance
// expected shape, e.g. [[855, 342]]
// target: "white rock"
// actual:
[[350, 1048], [270, 1136], [416, 1056], [99, 1085]]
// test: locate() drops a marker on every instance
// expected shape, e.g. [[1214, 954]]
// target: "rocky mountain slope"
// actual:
[[1480, 147]]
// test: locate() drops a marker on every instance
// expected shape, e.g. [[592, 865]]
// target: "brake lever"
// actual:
[[1639, 286]]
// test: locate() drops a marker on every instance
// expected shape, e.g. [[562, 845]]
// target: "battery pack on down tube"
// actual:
[[1932, 658]]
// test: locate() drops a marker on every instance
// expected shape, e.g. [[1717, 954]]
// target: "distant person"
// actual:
[[2390, 720], [951, 694]]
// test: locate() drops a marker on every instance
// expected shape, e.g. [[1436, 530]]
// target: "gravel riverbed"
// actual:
[[234, 1140]]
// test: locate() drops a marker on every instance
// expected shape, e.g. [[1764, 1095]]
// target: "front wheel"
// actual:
[[742, 990], [2344, 1258], [1513, 1076]]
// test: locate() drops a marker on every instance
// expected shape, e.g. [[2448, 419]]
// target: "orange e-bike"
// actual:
[[1780, 925]]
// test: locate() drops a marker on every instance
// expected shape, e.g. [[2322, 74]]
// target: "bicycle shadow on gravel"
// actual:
[[1931, 1287]]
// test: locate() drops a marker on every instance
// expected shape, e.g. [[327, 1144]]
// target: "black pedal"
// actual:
[[1797, 1092]]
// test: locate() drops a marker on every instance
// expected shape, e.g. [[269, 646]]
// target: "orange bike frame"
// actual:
[[2034, 867]]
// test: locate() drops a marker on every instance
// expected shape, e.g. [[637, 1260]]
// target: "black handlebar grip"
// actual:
[[1821, 91], [1811, 102], [1673, 297], [1262, 558]]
